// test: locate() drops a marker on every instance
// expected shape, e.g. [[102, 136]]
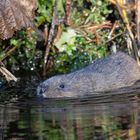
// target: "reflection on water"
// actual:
[[110, 118]]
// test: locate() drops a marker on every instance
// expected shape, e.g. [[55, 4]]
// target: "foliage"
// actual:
[[14, 15], [75, 50], [76, 47], [24, 56]]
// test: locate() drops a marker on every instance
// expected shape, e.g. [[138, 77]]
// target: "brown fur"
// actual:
[[113, 72]]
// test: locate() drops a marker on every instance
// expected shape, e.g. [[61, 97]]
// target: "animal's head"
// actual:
[[70, 85]]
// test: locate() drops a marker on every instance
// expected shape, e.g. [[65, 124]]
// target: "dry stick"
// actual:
[[135, 48], [112, 30], [50, 37], [129, 45], [126, 22], [138, 20], [68, 12], [8, 53], [7, 74]]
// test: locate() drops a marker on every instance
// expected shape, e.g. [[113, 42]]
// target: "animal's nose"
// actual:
[[41, 89]]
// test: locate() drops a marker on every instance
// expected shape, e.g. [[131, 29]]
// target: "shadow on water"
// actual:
[[113, 117]]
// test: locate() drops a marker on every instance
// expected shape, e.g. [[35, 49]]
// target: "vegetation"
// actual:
[[75, 34], [84, 31]]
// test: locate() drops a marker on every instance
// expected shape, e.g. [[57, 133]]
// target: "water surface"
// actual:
[[115, 117]]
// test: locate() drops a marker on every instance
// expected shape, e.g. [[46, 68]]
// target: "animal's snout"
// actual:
[[41, 89]]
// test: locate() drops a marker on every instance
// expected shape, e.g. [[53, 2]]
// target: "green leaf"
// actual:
[[14, 42], [67, 38]]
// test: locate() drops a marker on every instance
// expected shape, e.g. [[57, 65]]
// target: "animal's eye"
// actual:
[[62, 86]]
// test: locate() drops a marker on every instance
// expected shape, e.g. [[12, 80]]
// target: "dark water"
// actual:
[[115, 117]]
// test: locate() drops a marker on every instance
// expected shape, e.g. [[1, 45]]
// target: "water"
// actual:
[[115, 117]]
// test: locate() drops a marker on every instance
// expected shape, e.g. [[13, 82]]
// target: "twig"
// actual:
[[124, 15], [112, 30], [114, 37], [8, 53], [68, 12], [7, 74], [138, 20], [50, 37]]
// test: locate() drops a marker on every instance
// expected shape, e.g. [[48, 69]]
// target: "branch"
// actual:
[[7, 74], [68, 12], [51, 36]]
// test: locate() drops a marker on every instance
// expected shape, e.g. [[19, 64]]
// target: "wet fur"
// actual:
[[113, 72]]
